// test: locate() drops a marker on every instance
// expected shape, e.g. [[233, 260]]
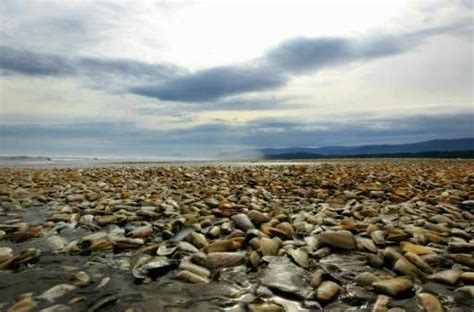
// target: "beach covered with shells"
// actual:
[[374, 235]]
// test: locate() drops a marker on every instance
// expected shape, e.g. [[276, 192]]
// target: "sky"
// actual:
[[205, 78]]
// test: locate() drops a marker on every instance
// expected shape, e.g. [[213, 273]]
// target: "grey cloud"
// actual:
[[15, 61], [214, 83], [33, 64], [293, 57], [238, 104], [273, 70]]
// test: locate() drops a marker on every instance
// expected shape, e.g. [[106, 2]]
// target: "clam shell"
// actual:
[[242, 221], [393, 287], [56, 292], [327, 291], [429, 302], [300, 257], [340, 239], [269, 246], [192, 277], [167, 248], [449, 277]]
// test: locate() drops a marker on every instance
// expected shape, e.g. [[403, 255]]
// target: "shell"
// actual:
[[339, 239], [430, 302], [327, 291], [393, 287]]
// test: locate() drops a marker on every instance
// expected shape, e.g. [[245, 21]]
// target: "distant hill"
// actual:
[[432, 154], [452, 145]]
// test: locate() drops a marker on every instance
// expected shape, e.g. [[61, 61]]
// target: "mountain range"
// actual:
[[448, 145]]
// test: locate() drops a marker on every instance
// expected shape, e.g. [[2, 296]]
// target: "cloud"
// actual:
[[237, 104], [273, 70], [292, 57], [214, 83], [16, 61], [218, 137]]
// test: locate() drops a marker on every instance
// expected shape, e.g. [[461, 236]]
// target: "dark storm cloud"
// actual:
[[213, 137], [214, 83]]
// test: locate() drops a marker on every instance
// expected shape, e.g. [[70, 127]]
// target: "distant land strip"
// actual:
[[434, 154]]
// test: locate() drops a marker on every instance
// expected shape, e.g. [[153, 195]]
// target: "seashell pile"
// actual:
[[374, 235]]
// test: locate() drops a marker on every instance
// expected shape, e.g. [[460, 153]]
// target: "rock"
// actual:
[[56, 292], [429, 302], [340, 239], [283, 276], [393, 287]]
